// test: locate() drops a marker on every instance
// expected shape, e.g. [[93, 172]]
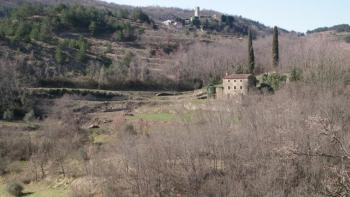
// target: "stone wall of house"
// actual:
[[234, 87], [219, 92]]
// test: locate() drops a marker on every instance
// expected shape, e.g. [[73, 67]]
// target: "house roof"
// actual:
[[237, 76]]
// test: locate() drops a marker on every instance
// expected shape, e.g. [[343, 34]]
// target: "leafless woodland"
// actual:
[[292, 143], [295, 142]]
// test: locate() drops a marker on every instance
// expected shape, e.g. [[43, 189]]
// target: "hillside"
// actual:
[[337, 28], [101, 45], [158, 14], [103, 100]]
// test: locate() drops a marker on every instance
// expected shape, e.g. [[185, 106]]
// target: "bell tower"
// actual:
[[197, 12]]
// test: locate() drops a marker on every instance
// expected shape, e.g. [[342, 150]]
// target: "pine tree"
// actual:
[[275, 48], [82, 49], [59, 55], [81, 55], [93, 28], [251, 56], [35, 33]]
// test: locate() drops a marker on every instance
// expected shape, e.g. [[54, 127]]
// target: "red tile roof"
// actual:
[[237, 76]]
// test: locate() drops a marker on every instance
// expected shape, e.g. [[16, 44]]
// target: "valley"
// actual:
[[102, 100]]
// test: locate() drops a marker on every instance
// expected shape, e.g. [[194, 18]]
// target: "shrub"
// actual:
[[266, 89], [129, 129], [274, 80], [83, 154], [347, 39], [108, 48], [296, 74], [8, 115], [30, 116], [140, 16], [252, 81], [15, 189], [126, 33], [3, 166], [169, 48]]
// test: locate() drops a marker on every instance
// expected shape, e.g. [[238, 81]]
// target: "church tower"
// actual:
[[197, 12]]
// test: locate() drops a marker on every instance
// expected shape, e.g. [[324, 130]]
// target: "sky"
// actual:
[[298, 15]]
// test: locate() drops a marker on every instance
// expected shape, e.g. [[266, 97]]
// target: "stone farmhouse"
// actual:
[[233, 85]]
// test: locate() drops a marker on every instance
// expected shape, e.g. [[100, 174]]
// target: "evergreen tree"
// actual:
[[251, 56], [275, 48], [83, 47], [93, 28], [45, 32], [81, 55], [35, 33], [120, 36], [223, 18], [59, 57]]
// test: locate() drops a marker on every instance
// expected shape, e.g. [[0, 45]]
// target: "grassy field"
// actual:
[[19, 125], [164, 117], [37, 190]]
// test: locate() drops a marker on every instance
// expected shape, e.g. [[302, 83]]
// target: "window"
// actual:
[[234, 80], [241, 80], [228, 80], [234, 87], [241, 87], [228, 87]]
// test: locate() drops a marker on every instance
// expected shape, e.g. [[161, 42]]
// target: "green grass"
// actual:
[[101, 139], [99, 136], [13, 123], [164, 117], [19, 124], [76, 91], [37, 190]]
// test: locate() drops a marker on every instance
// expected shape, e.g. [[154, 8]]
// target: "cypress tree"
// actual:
[[275, 48], [251, 56]]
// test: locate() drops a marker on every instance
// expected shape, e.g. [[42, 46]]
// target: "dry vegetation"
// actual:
[[293, 143]]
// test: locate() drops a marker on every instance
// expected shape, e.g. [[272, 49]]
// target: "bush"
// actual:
[[15, 189], [30, 116], [3, 166], [125, 33], [8, 115], [347, 39], [169, 48], [274, 80], [296, 74], [129, 129], [266, 89], [140, 16]]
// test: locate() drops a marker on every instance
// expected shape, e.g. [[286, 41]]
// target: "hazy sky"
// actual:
[[299, 15]]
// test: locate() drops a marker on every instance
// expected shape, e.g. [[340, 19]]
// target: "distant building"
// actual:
[[168, 22], [171, 23], [215, 17], [233, 85]]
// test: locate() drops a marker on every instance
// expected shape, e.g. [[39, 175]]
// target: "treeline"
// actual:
[[337, 28], [14, 101], [226, 24], [38, 22], [29, 28]]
